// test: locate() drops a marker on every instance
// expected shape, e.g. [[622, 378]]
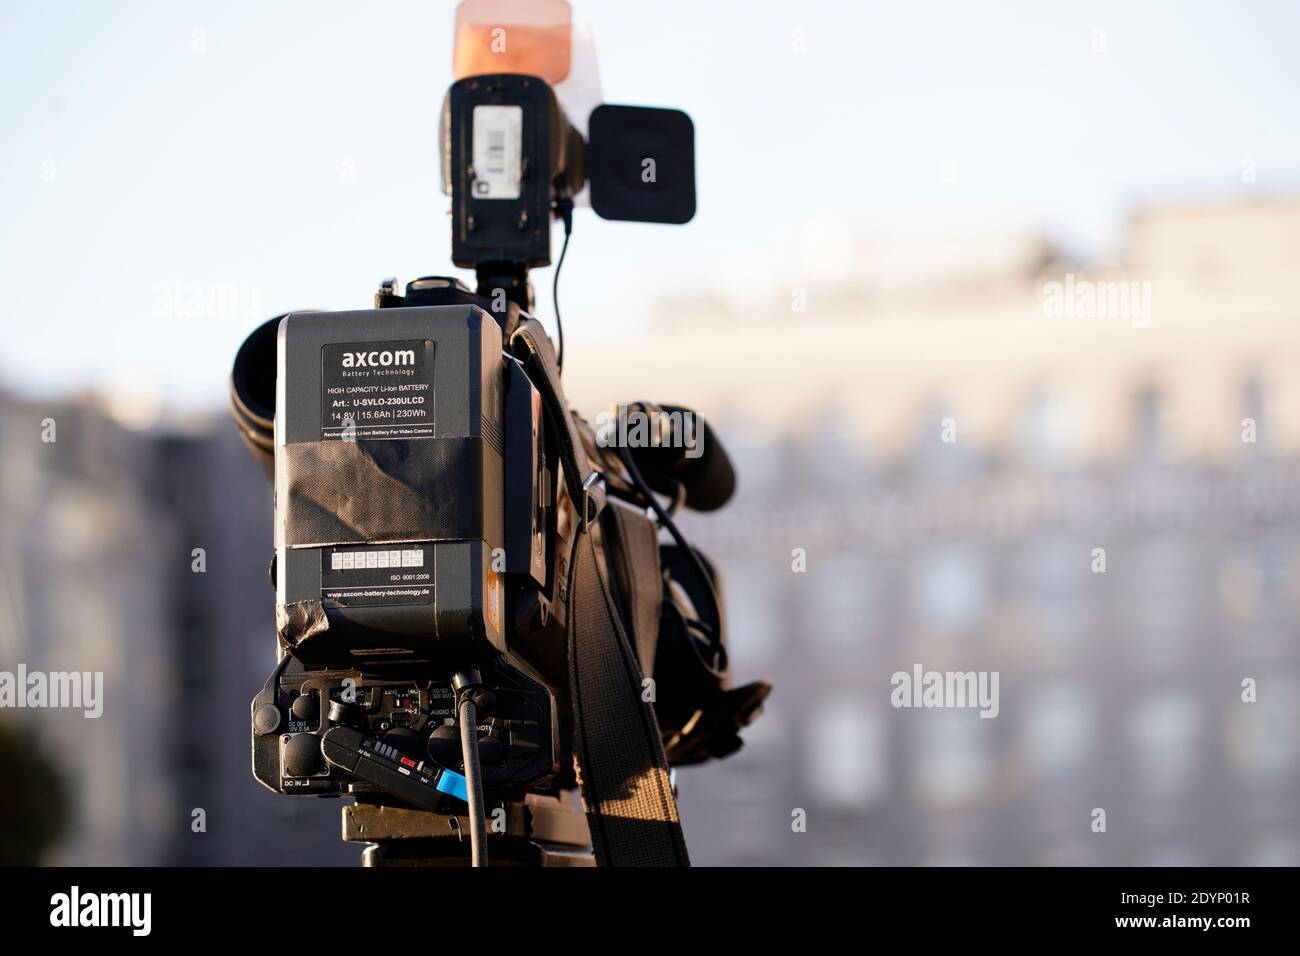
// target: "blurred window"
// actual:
[[1045, 433], [1149, 433], [1264, 737], [1059, 731], [1048, 574], [754, 619], [950, 589], [846, 602], [847, 754], [954, 765], [1164, 592], [1165, 733]]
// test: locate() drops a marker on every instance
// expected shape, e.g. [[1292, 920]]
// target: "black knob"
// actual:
[[266, 719], [407, 741], [306, 708], [491, 750], [302, 756], [349, 715], [444, 745]]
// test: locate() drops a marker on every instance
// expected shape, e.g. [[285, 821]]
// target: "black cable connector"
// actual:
[[468, 686]]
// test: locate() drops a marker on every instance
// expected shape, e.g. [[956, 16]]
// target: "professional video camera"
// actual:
[[474, 611]]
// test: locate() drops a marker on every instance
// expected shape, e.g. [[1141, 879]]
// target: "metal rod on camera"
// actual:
[[466, 683]]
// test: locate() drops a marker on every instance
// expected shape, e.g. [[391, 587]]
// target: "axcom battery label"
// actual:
[[378, 574], [377, 390]]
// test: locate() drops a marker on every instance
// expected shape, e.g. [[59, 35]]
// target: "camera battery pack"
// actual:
[[389, 472]]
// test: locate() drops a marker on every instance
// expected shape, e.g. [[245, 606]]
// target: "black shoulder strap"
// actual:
[[621, 767], [630, 542]]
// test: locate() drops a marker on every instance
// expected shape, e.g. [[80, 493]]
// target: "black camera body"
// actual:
[[472, 599], [417, 534]]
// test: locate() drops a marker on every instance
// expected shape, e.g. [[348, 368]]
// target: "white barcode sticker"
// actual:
[[498, 151]]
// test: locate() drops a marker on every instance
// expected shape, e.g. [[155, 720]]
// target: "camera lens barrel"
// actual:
[[252, 392]]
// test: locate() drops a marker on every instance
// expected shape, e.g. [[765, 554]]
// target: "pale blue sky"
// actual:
[[228, 166]]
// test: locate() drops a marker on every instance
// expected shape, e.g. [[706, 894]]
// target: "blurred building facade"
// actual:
[[82, 555], [144, 555], [947, 450], [952, 452]]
